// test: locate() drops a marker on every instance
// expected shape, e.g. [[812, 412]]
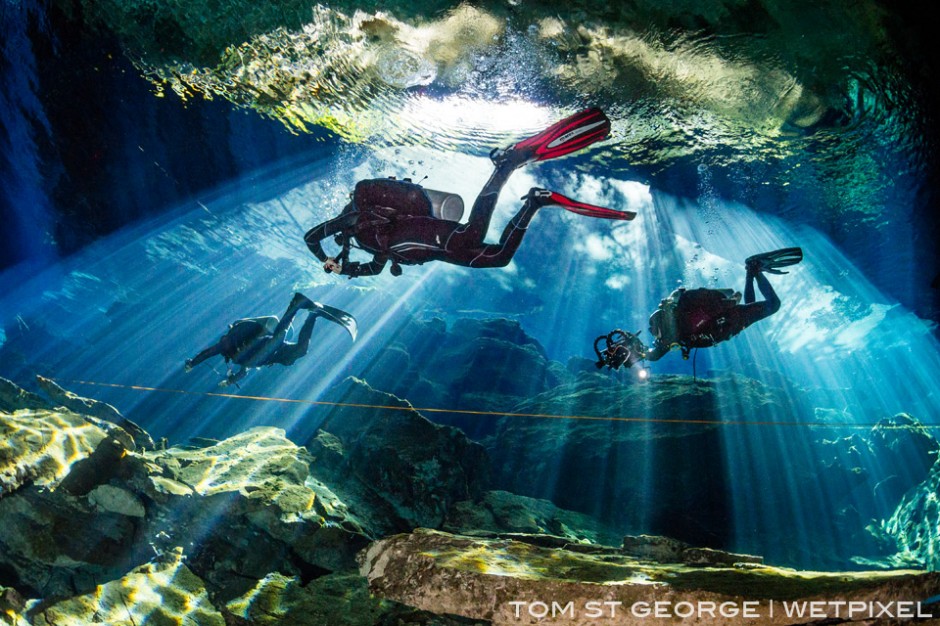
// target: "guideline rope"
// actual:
[[409, 407]]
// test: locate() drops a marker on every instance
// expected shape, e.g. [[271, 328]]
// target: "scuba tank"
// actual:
[[445, 205]]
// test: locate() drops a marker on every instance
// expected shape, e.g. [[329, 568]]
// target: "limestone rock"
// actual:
[[654, 548], [162, 592], [504, 512], [340, 599], [12, 606], [39, 446], [54, 543], [480, 578], [14, 398], [244, 507], [668, 550], [873, 471], [417, 468], [249, 507], [915, 524], [94, 408], [116, 500]]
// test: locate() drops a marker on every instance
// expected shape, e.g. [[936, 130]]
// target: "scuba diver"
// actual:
[[260, 341], [622, 349], [402, 222], [701, 318]]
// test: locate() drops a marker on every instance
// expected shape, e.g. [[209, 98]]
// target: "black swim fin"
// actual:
[[771, 262], [337, 316], [544, 197], [561, 138]]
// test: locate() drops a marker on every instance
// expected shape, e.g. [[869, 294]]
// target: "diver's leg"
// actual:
[[298, 302], [751, 311], [497, 254], [749, 286], [287, 353], [474, 231], [770, 296]]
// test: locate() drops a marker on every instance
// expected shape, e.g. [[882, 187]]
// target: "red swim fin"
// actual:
[[543, 197], [569, 135]]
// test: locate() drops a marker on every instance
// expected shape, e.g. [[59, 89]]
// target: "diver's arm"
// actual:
[[373, 267], [234, 378], [209, 352], [658, 351], [327, 229]]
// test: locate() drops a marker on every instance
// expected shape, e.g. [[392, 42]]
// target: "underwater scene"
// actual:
[[446, 313]]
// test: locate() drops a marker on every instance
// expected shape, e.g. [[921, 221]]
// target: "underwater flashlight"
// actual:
[[643, 373]]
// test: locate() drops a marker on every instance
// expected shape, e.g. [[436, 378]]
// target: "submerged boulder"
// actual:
[[13, 398], [38, 447], [870, 474], [165, 591], [78, 506], [379, 449], [94, 408], [517, 582], [502, 512], [340, 599], [55, 537], [914, 527], [247, 507]]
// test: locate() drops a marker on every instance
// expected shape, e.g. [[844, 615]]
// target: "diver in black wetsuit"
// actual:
[[397, 221], [260, 341], [701, 318]]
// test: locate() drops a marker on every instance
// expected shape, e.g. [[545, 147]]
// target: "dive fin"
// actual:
[[561, 138], [771, 262], [543, 197], [338, 316]]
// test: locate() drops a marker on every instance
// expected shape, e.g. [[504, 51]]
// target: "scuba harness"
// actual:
[[383, 201]]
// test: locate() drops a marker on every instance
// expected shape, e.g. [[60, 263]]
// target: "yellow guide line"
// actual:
[[600, 418]]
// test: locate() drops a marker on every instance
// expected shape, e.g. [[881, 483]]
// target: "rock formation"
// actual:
[[516, 582], [255, 530]]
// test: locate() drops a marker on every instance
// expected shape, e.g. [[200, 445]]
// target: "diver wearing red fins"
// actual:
[[402, 222], [700, 318]]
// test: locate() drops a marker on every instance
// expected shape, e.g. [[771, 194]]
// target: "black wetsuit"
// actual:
[[705, 317], [392, 220], [248, 344]]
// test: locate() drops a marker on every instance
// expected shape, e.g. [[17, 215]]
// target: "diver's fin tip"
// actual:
[[571, 134], [543, 197], [771, 262]]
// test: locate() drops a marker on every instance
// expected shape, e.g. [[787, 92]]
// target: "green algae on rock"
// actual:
[[482, 578], [165, 591]]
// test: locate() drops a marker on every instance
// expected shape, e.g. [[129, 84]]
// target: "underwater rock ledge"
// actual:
[[256, 530], [497, 579]]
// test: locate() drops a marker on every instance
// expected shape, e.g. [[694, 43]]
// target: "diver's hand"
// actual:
[[188, 366], [225, 382], [332, 265]]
